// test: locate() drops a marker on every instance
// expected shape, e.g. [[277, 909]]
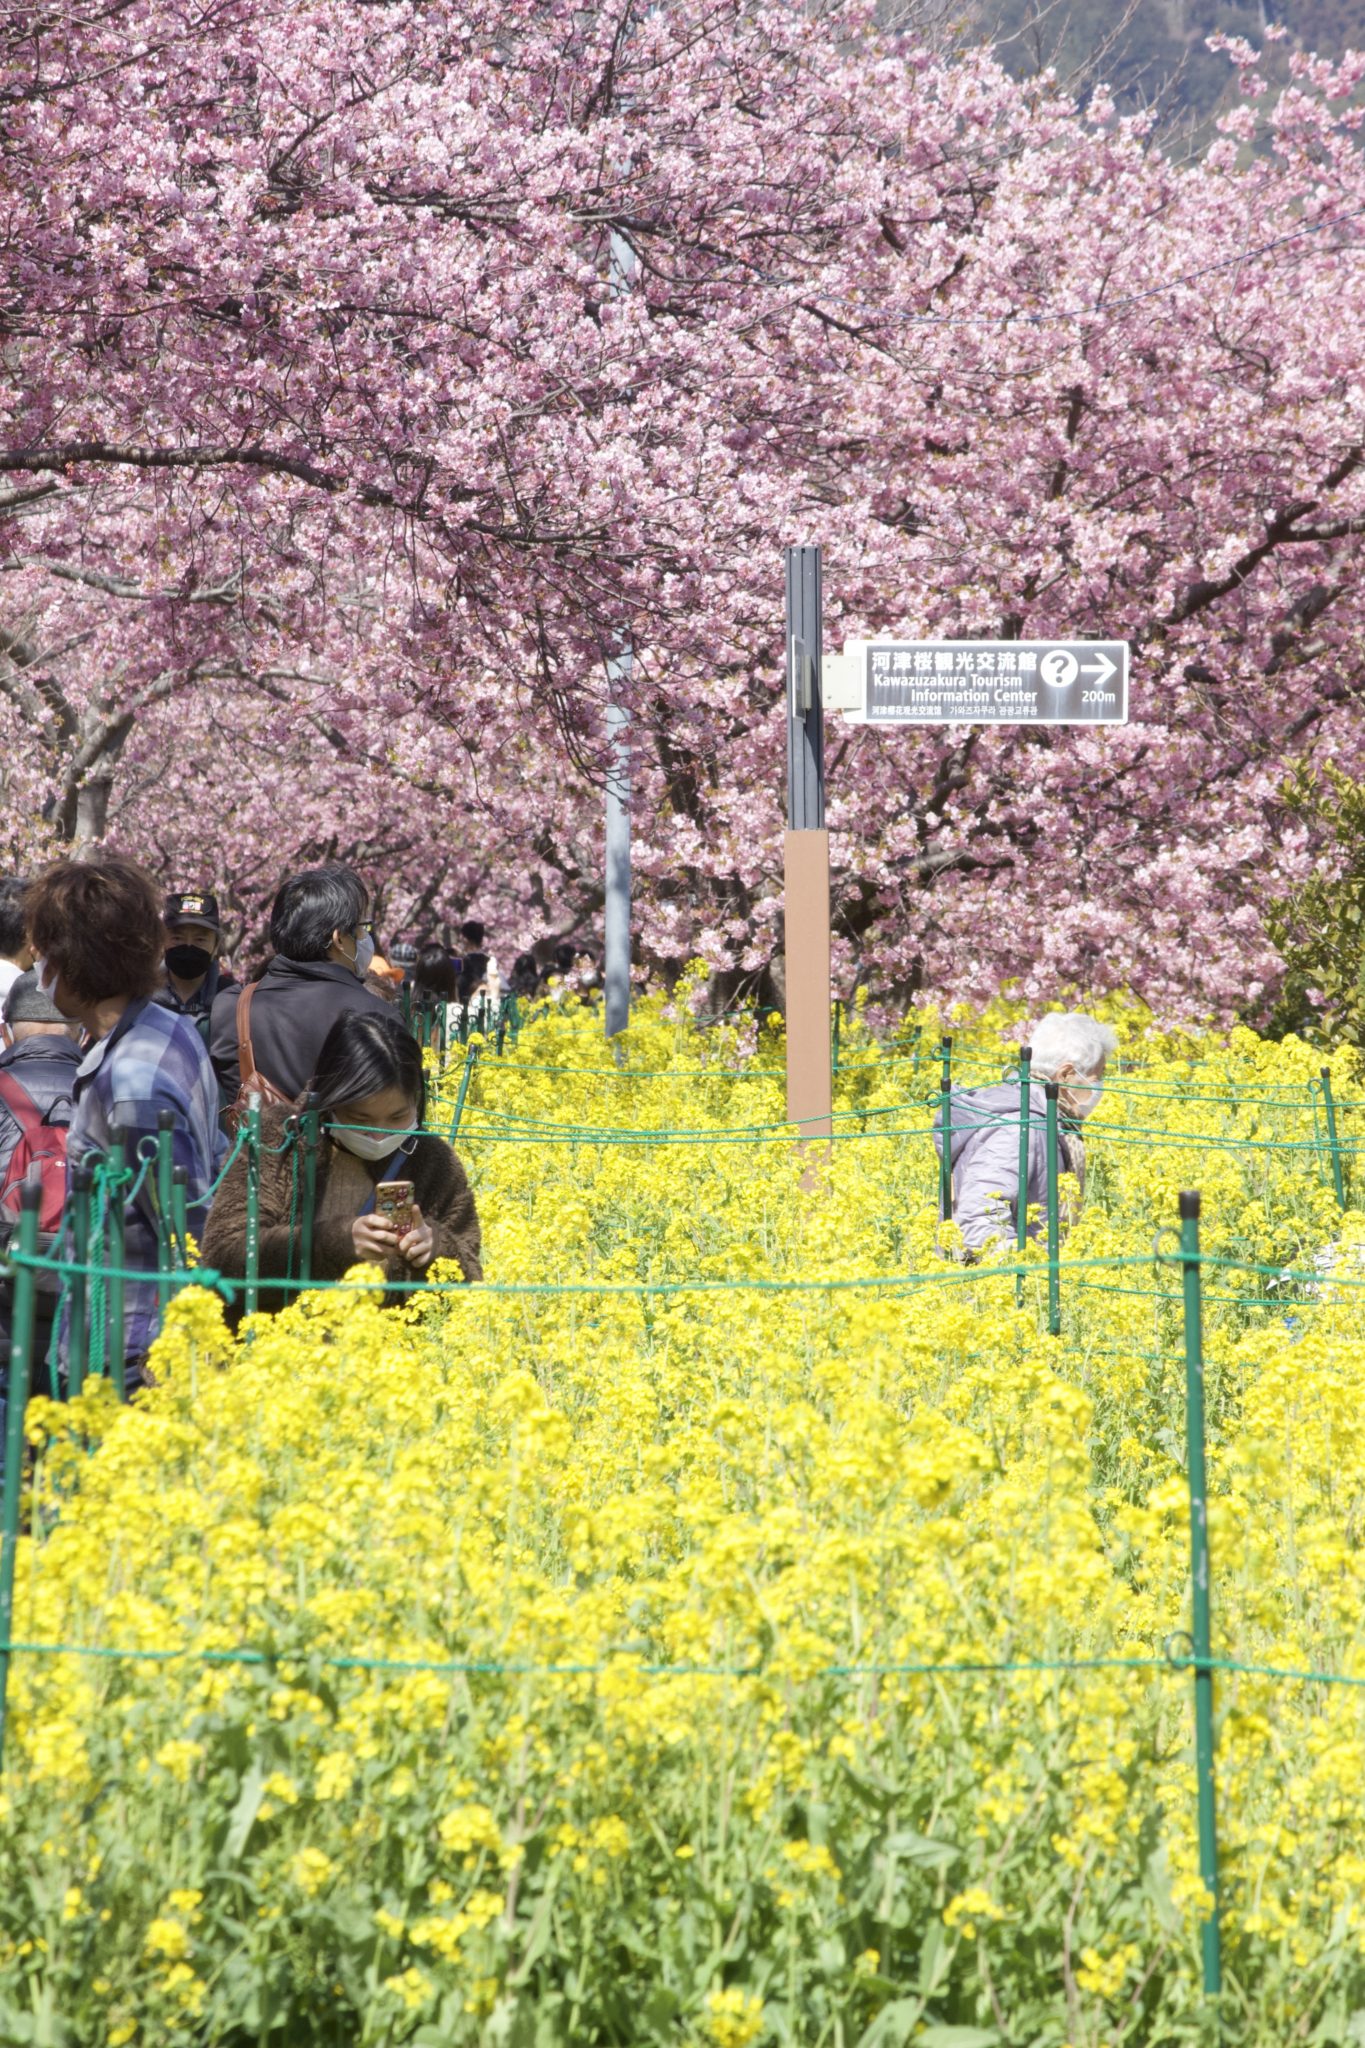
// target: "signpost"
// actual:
[[889, 683], [979, 682]]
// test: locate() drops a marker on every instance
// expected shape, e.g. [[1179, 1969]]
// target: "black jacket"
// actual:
[[293, 1009], [217, 982], [45, 1069]]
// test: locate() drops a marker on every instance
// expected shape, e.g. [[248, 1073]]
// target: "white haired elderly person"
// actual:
[[1068, 1048]]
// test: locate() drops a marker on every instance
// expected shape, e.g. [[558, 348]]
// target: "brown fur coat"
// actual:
[[440, 1189]]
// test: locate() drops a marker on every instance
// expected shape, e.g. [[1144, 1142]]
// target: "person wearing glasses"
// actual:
[[266, 1038]]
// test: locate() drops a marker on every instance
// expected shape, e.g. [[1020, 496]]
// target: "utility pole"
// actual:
[[806, 856]]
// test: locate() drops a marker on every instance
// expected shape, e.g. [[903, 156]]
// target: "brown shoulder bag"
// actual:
[[251, 1083]]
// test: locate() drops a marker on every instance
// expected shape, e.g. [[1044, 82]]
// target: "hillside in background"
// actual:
[[1161, 53]]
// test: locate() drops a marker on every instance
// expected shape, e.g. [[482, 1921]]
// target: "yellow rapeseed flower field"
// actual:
[[563, 1660]]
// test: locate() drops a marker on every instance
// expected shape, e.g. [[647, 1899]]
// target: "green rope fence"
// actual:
[[89, 1258], [1198, 1661]]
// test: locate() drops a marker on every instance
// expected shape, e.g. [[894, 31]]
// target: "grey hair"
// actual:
[[1068, 1038]]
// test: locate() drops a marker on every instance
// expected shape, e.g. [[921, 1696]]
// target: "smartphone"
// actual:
[[393, 1201]]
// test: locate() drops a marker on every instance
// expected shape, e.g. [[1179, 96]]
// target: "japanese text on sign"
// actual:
[[1012, 682]]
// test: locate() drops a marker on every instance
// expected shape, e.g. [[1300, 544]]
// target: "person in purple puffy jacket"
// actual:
[[1068, 1047]]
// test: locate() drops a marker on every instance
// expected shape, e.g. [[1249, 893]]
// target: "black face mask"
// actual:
[[188, 961]]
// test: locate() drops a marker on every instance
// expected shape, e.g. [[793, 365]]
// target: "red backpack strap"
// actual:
[[21, 1107]]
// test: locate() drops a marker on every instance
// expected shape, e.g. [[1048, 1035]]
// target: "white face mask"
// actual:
[[1080, 1099], [371, 1144], [363, 956]]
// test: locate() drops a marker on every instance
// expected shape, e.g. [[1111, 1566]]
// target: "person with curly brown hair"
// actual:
[[98, 938]]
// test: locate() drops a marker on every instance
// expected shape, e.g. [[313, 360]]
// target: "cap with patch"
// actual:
[[193, 906]]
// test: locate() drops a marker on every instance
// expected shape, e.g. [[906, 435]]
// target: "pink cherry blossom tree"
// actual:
[[336, 465]]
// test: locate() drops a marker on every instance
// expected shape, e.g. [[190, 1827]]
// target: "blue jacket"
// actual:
[[151, 1060]]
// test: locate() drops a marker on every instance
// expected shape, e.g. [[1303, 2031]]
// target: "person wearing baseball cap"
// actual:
[[194, 972]]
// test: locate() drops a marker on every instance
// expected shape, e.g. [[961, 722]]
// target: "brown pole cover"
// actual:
[[806, 856]]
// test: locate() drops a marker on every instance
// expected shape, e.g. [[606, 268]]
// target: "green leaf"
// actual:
[[244, 1812], [913, 1848], [893, 2026], [935, 1957], [958, 2037]]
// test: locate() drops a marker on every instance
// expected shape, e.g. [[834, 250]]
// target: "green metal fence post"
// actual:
[[1051, 1091], [471, 1060], [23, 1307], [1025, 1142], [253, 1203], [834, 1037], [945, 1097], [165, 1127], [1201, 1630], [116, 1259], [1338, 1176], [180, 1216], [78, 1320], [308, 1146]]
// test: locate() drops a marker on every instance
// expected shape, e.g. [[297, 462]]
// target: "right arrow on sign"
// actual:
[[1101, 668]]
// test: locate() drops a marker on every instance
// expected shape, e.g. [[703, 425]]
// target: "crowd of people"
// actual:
[[121, 1015]]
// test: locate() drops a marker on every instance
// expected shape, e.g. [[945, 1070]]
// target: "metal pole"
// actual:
[[1338, 1177], [180, 1216], [616, 922], [623, 264], [165, 1126], [806, 943], [1025, 1146], [945, 1118], [116, 1247], [1201, 1630], [1051, 1090], [471, 1060], [253, 1203], [20, 1368], [308, 1145], [78, 1320]]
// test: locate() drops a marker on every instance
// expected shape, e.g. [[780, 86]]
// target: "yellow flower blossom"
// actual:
[[310, 1869], [167, 1938], [733, 2018]]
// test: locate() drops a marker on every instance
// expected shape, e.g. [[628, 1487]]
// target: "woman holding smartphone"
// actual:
[[388, 1193]]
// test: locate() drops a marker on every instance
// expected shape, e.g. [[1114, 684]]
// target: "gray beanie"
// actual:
[[26, 1003]]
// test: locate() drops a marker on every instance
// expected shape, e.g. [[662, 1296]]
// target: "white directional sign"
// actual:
[[979, 682]]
